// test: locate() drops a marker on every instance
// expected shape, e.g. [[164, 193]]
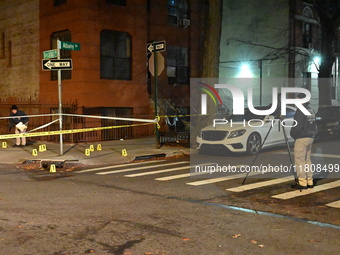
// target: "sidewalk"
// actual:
[[111, 152]]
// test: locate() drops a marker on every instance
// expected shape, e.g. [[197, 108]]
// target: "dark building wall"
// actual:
[[19, 48]]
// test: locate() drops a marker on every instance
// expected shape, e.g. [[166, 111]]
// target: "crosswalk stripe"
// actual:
[[117, 166], [173, 177], [220, 179], [260, 184], [158, 172], [141, 168], [325, 155], [335, 204], [297, 193], [179, 176]]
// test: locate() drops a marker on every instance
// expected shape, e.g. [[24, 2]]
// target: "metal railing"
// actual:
[[31, 107], [173, 136]]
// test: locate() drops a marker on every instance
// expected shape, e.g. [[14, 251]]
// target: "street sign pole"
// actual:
[[60, 101], [153, 48], [156, 93]]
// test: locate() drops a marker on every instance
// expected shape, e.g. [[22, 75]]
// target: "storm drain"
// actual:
[[45, 170], [152, 156], [46, 164]]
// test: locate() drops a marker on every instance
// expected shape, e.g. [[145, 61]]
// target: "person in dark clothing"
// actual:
[[303, 134], [20, 125]]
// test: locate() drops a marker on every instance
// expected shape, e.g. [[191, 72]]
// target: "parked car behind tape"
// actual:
[[328, 121], [237, 137]]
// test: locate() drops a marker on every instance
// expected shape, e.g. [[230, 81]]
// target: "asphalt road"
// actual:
[[154, 208]]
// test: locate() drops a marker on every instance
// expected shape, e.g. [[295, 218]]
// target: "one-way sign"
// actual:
[[56, 64], [159, 46]]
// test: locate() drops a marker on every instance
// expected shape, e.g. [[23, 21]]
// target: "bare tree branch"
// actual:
[[277, 52]]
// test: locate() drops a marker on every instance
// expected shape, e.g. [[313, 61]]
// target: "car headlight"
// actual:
[[237, 133]]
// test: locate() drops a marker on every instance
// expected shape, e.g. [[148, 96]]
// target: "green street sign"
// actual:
[[69, 45], [50, 54]]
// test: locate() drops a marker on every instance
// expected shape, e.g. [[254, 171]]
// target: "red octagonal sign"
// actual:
[[160, 63]]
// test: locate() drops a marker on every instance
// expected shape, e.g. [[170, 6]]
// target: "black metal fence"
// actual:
[[31, 107], [175, 137]]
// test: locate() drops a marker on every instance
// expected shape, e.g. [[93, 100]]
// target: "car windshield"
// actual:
[[248, 115]]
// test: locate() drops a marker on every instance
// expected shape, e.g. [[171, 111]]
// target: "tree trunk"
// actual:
[[327, 59], [210, 61], [211, 54]]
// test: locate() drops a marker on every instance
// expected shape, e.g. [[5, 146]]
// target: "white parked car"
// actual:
[[246, 133]]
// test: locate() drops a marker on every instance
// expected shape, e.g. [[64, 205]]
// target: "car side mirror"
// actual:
[[269, 118]]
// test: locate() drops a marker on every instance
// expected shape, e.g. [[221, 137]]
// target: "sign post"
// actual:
[[154, 48], [158, 145], [60, 104], [58, 64]]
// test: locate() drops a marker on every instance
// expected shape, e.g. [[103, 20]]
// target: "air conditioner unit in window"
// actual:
[[185, 22]]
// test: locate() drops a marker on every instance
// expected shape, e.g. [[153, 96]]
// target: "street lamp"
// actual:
[[245, 71], [314, 64]]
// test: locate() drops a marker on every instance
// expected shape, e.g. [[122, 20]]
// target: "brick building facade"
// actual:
[[19, 49], [110, 72]]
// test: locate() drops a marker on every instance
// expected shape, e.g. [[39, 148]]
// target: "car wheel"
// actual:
[[253, 143]]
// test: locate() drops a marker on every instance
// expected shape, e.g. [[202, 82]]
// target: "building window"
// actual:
[[178, 12], [307, 29], [177, 65], [337, 42], [59, 2], [307, 81], [62, 36], [333, 87], [117, 2], [2, 46], [335, 80], [115, 55]]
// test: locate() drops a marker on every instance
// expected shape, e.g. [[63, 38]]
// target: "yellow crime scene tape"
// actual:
[[70, 131], [73, 131]]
